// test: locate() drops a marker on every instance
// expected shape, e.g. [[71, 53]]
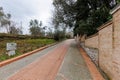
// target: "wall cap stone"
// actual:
[[105, 25], [115, 9], [92, 36]]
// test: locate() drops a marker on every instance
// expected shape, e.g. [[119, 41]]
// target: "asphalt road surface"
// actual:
[[59, 62]]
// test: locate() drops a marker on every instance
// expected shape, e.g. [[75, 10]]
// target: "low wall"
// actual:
[[100, 48], [92, 41], [108, 43], [91, 47], [92, 52]]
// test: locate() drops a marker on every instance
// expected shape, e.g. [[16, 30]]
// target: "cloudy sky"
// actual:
[[25, 10]]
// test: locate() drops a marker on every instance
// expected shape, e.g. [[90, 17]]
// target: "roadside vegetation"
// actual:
[[85, 16], [39, 35], [23, 46]]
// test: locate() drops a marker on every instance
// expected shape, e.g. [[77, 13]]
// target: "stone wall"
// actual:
[[92, 41], [104, 43], [108, 43], [106, 48], [116, 42], [91, 47]]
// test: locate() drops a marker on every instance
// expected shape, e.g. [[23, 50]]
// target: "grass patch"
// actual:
[[23, 46]]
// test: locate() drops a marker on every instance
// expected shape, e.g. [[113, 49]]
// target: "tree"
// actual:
[[1, 14], [9, 25], [5, 22], [35, 27], [58, 35], [63, 13], [50, 33], [14, 29], [84, 15]]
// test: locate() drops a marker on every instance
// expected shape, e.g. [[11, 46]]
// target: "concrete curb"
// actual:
[[96, 75], [3, 63]]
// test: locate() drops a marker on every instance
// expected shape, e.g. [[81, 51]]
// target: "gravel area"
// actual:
[[94, 55], [14, 67], [74, 66], [92, 52]]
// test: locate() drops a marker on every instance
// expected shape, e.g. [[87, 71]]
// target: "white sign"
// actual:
[[11, 46], [10, 53]]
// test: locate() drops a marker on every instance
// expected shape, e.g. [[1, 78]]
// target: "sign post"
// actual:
[[11, 47]]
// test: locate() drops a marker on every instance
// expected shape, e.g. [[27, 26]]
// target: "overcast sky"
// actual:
[[25, 10]]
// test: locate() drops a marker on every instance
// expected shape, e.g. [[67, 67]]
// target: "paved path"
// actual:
[[14, 67], [45, 68], [60, 62], [74, 66]]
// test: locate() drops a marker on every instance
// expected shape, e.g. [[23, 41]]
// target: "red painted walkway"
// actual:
[[44, 68]]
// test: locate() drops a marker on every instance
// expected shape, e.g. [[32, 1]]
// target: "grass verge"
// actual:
[[23, 46]]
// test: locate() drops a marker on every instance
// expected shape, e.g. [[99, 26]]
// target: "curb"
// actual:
[[3, 63], [96, 75]]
